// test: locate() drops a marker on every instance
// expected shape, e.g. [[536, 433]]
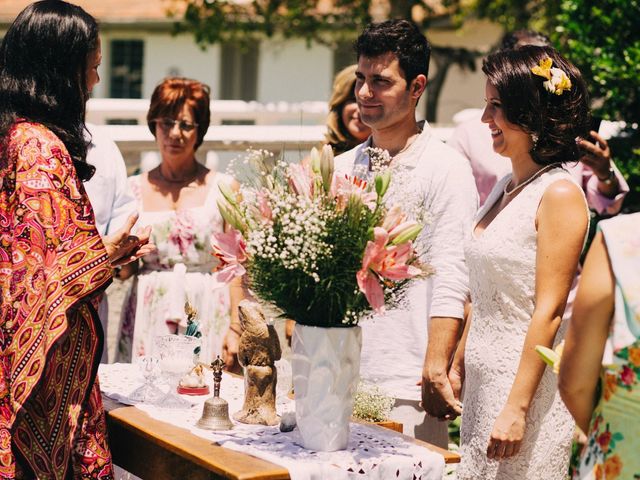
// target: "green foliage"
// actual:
[[228, 20], [512, 14], [603, 40]]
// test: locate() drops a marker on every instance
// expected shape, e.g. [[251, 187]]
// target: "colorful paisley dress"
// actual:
[[53, 268], [613, 447]]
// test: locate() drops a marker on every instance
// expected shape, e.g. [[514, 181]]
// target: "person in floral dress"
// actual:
[[605, 400], [178, 199]]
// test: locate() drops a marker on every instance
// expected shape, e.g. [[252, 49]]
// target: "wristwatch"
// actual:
[[608, 180]]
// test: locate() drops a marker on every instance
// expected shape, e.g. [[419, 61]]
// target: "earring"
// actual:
[[534, 139]]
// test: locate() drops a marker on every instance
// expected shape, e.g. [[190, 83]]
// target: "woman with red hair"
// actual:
[[178, 198]]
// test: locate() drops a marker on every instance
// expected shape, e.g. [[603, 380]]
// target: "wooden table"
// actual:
[[152, 449]]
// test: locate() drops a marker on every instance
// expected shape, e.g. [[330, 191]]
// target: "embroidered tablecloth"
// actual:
[[372, 453]]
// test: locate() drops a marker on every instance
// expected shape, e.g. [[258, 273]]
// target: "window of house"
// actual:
[[126, 68], [343, 56], [239, 72]]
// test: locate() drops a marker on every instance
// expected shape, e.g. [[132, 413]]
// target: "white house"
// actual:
[[139, 50]]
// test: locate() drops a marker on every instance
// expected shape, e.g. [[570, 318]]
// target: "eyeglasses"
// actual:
[[167, 124]]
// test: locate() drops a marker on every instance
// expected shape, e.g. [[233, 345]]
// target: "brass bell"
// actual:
[[215, 413]]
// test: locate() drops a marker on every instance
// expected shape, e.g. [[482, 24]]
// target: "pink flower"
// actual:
[[264, 207], [230, 249], [379, 260], [344, 187], [603, 440], [183, 233], [394, 217], [628, 376], [301, 179]]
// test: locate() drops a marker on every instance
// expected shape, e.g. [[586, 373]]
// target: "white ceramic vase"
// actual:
[[326, 367]]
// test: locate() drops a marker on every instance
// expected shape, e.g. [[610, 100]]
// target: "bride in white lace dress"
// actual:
[[523, 256]]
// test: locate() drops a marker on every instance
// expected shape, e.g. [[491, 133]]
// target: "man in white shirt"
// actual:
[[110, 196], [428, 176]]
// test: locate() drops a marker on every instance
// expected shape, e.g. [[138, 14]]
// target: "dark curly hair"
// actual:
[[400, 37], [43, 64], [555, 120], [519, 38], [172, 94]]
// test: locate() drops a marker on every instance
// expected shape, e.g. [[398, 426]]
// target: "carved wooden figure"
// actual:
[[258, 350]]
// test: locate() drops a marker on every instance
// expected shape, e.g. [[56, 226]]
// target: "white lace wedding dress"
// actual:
[[501, 263]]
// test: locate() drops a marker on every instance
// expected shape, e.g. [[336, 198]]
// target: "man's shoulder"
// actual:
[[445, 156], [345, 161]]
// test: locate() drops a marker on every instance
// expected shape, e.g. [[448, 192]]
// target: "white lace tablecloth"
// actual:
[[372, 453]]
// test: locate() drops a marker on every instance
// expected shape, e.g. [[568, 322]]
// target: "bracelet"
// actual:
[[610, 177]]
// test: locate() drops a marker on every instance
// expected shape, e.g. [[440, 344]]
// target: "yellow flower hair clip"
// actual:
[[557, 81]]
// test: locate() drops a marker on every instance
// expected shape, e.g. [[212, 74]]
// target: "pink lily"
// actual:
[[264, 207], [382, 261], [394, 217], [301, 179], [230, 249], [345, 186]]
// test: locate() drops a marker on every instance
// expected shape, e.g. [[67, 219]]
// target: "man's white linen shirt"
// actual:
[[439, 179], [108, 189], [110, 197]]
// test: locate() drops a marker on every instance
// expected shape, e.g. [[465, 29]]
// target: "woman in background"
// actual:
[[178, 198], [345, 130], [605, 401], [53, 264]]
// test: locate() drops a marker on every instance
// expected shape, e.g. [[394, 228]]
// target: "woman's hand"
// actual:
[[456, 379], [507, 434], [230, 346], [124, 248]]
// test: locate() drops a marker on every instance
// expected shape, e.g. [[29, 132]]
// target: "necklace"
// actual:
[[528, 180], [180, 181]]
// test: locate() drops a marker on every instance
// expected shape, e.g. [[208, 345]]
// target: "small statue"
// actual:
[[192, 326], [193, 383], [258, 350]]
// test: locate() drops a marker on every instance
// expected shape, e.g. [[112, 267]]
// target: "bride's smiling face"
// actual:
[[509, 140]]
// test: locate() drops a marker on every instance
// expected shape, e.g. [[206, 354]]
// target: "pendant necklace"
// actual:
[[528, 180]]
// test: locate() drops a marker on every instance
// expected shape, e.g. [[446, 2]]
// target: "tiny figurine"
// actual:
[[192, 326], [258, 350], [215, 413], [193, 383]]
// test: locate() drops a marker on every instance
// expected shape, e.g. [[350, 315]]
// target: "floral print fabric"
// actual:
[[180, 270], [613, 446]]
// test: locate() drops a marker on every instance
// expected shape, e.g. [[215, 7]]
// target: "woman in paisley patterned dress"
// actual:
[[605, 400], [53, 264], [179, 199]]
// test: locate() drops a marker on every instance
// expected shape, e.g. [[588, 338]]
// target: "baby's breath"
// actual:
[[371, 404]]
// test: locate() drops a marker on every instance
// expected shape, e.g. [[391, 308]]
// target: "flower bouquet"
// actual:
[[325, 250]]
